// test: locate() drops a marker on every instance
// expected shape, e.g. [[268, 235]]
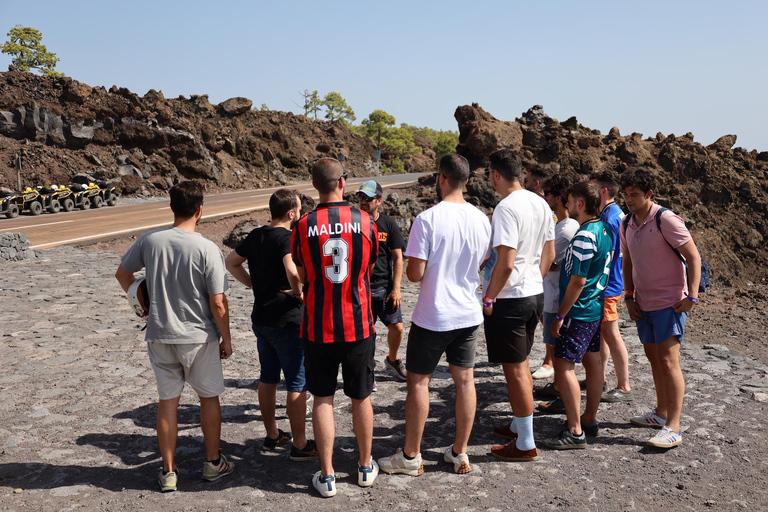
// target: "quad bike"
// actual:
[[35, 203], [10, 204], [108, 193], [86, 196]]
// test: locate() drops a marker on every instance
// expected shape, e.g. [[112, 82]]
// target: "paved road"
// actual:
[[64, 228]]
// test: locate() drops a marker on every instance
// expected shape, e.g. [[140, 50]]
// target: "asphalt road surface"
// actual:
[[50, 230]]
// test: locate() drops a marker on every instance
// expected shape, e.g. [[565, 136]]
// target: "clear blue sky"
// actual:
[[669, 66]]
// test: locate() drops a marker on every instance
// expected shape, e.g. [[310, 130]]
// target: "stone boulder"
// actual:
[[725, 142], [240, 232], [480, 134], [235, 106]]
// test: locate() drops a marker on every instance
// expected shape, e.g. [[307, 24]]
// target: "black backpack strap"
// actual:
[[658, 226], [625, 223]]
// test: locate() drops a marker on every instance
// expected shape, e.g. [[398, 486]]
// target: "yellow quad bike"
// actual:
[[34, 202], [10, 204]]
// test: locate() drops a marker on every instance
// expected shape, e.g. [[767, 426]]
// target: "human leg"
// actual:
[[416, 411], [362, 423], [167, 431], [466, 404], [267, 396], [394, 339], [210, 421], [296, 408], [324, 427], [614, 344], [652, 353], [668, 356], [569, 393], [594, 371]]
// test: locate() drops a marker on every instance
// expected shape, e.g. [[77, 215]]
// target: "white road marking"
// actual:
[[89, 237], [151, 226], [37, 225]]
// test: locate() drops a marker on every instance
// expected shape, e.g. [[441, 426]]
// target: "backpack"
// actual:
[[704, 282]]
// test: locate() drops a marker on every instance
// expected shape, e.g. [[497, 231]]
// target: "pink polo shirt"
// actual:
[[657, 272]]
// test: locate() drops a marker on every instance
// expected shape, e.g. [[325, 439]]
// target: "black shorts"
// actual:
[[509, 330], [322, 360], [383, 310], [425, 348]]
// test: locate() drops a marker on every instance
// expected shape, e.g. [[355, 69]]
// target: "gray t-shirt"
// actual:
[[183, 269]]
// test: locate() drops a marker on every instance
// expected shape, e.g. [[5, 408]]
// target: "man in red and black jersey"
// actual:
[[335, 248]]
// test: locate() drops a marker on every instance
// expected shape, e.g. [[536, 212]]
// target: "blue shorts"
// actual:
[[658, 326], [547, 320], [281, 349], [382, 308], [576, 339]]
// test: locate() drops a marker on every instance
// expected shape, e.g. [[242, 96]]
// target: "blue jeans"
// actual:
[[281, 349]]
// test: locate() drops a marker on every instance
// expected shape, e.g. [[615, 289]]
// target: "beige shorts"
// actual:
[[198, 364]]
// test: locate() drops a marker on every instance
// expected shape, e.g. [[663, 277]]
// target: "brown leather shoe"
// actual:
[[510, 453], [505, 432]]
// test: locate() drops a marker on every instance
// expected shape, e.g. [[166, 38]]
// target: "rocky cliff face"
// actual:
[[719, 190], [59, 127]]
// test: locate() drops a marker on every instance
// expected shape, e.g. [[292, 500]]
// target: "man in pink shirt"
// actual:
[[658, 296]]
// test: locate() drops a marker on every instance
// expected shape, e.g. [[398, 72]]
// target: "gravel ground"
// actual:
[[78, 410]]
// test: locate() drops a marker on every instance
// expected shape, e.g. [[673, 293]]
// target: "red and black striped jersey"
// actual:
[[336, 244]]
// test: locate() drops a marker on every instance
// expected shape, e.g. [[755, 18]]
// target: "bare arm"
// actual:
[[220, 311], [629, 286], [397, 277], [415, 269], [572, 292], [291, 271], [691, 255], [501, 270], [124, 277], [234, 263], [547, 257]]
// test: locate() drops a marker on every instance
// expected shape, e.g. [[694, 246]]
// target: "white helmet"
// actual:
[[138, 297]]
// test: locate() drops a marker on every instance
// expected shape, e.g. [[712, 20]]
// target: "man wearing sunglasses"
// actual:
[[387, 274]]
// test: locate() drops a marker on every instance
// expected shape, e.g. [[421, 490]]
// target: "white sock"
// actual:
[[512, 425], [524, 426]]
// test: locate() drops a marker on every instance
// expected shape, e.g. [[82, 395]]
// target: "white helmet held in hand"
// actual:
[[138, 297]]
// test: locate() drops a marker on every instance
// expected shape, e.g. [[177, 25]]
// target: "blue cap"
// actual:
[[371, 188]]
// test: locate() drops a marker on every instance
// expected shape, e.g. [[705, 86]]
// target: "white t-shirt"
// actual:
[[522, 221], [564, 231], [453, 238]]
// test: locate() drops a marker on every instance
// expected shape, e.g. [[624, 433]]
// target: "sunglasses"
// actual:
[[487, 172], [344, 176], [365, 199]]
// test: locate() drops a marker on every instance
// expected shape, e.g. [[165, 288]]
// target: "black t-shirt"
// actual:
[[389, 238], [265, 248]]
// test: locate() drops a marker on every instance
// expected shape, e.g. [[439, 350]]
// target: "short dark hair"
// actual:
[[638, 177], [281, 202], [607, 179], [558, 185], [325, 174], [508, 163], [455, 168], [589, 192], [307, 204], [540, 171], [186, 198]]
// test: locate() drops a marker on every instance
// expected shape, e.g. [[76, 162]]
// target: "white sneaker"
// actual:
[[543, 373], [649, 419], [325, 485], [460, 462], [367, 474], [666, 438], [397, 463]]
